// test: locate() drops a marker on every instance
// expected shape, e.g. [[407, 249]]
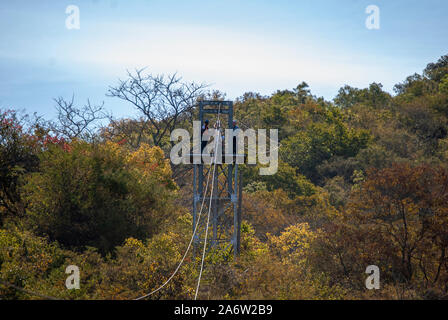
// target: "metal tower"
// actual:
[[225, 214]]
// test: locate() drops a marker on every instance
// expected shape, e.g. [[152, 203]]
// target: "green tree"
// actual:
[[97, 195], [18, 156], [437, 71], [306, 150], [443, 86]]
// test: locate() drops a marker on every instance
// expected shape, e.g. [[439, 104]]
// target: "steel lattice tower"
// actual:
[[225, 212]]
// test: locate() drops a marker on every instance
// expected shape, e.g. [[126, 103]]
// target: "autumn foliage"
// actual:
[[362, 180]]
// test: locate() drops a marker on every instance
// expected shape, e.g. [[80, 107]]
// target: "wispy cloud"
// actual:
[[221, 56]]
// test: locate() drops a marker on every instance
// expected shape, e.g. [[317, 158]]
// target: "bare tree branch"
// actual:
[[76, 122], [160, 99]]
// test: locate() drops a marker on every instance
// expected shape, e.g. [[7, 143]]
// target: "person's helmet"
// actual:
[[206, 121]]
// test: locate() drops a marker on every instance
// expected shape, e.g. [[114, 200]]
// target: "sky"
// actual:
[[235, 46]]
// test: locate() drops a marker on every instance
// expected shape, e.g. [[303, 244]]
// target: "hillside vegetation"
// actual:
[[362, 180]]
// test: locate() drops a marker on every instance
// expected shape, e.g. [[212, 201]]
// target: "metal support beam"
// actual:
[[226, 198]]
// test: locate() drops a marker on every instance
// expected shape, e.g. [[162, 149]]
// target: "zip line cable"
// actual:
[[205, 238], [210, 204], [192, 237], [188, 248]]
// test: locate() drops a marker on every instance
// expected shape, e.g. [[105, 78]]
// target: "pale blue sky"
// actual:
[[237, 46]]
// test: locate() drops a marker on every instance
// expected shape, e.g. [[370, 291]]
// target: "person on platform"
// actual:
[[203, 130], [235, 134]]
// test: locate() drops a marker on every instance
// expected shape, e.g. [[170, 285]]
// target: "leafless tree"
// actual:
[[76, 122], [161, 101]]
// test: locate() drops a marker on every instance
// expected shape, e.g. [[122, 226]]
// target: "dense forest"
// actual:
[[362, 180]]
